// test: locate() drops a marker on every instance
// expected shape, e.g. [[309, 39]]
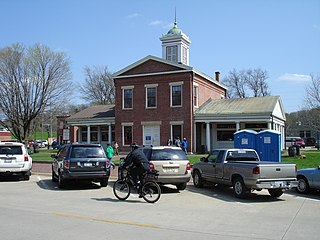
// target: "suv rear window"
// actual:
[[87, 152], [12, 150], [165, 154]]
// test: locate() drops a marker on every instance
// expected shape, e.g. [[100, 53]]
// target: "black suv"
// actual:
[[80, 161]]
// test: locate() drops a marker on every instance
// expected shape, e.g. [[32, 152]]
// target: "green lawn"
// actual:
[[312, 159]]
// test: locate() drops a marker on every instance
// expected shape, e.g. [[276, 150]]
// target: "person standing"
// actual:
[[110, 152], [184, 145], [116, 146]]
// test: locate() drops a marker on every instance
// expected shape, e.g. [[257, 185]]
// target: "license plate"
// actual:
[[7, 161], [87, 164], [278, 184], [171, 170]]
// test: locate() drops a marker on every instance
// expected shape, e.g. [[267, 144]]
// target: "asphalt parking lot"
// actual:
[[38, 209]]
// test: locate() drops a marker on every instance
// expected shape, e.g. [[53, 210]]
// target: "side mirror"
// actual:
[[53, 155], [319, 167], [122, 161]]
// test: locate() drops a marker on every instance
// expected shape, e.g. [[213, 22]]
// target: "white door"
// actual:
[[151, 135]]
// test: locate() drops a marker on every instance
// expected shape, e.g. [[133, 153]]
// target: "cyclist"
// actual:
[[137, 164]]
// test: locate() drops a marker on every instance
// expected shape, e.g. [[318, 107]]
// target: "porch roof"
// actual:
[[97, 113], [242, 106]]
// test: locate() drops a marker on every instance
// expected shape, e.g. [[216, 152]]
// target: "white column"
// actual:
[[110, 134], [237, 126], [79, 134], [88, 134], [194, 137], [208, 137], [269, 125]]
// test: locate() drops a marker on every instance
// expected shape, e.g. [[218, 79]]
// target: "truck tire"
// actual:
[[104, 182], [181, 186], [61, 181], [275, 192], [197, 179], [239, 189]]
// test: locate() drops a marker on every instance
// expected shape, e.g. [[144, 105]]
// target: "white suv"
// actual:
[[15, 160]]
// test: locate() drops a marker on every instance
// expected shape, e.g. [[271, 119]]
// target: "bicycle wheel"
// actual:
[[151, 192], [121, 189]]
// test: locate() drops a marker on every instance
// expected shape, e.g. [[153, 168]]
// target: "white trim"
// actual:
[[127, 87], [151, 123], [149, 87], [127, 124], [174, 84], [123, 89]]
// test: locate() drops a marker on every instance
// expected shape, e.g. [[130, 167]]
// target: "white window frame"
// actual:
[[129, 124], [195, 95], [172, 53], [175, 84], [123, 90], [147, 86]]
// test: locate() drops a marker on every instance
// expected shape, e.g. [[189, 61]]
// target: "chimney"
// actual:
[[217, 76]]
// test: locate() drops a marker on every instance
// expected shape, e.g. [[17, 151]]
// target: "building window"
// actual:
[[151, 97], [93, 134], [127, 98], [127, 135], [195, 96], [225, 135], [172, 53], [176, 95], [176, 131], [184, 55]]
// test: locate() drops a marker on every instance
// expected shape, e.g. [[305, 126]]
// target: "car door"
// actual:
[[209, 166], [316, 178], [57, 162]]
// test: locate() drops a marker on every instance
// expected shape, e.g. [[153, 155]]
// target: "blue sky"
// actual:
[[279, 36]]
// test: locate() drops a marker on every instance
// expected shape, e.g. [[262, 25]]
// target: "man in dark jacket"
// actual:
[[137, 163]]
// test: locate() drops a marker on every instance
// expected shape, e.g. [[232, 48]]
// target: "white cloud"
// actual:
[[155, 23], [133, 15], [295, 77]]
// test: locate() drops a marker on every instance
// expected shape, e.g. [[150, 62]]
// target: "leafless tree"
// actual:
[[99, 86], [312, 104], [246, 83], [31, 79]]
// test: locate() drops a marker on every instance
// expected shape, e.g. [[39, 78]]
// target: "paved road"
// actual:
[[38, 209]]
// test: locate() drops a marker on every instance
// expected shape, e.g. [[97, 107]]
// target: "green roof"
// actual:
[[239, 106]]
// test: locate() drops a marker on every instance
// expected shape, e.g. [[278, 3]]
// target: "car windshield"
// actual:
[[11, 150], [242, 155], [87, 152], [168, 154]]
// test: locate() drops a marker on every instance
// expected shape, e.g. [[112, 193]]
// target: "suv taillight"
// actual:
[[151, 166], [66, 164], [107, 164], [26, 159], [256, 170], [188, 167]]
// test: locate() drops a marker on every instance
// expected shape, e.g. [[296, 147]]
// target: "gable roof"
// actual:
[[175, 68], [267, 106], [97, 113]]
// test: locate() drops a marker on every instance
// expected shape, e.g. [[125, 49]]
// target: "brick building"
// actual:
[[158, 99]]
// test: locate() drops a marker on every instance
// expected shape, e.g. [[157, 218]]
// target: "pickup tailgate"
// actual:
[[274, 170]]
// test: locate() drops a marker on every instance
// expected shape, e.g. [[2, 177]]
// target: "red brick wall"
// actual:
[[163, 112]]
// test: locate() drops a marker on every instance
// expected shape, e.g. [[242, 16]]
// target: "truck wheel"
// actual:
[[275, 192], [239, 189], [197, 179], [303, 185]]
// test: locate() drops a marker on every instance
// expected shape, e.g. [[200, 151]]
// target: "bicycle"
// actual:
[[149, 190]]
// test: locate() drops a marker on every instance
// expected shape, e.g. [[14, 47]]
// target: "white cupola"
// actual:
[[175, 45]]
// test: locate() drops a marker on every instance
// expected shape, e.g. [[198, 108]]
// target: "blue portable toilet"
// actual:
[[245, 139], [268, 145]]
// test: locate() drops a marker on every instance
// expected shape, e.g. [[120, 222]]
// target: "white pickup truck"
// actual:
[[243, 170]]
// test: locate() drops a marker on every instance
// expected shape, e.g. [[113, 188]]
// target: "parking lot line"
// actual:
[[103, 220]]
